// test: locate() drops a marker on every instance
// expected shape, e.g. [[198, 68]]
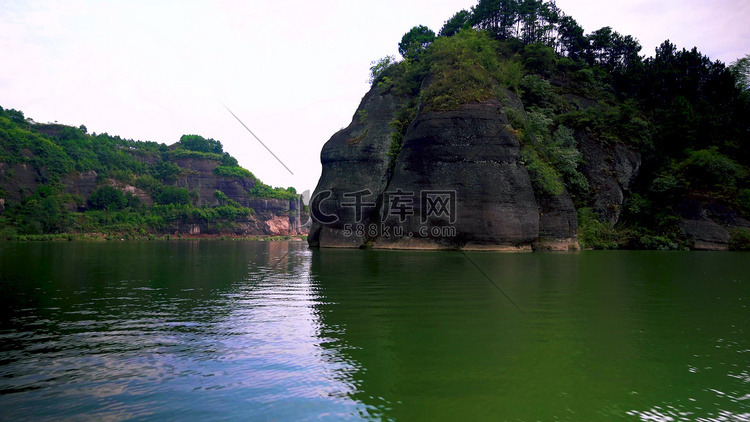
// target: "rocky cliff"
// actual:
[[59, 179], [458, 182], [481, 138]]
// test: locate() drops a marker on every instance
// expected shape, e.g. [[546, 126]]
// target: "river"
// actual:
[[240, 330]]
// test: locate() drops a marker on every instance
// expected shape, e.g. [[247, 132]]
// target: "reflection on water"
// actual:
[[272, 330], [633, 335], [164, 331]]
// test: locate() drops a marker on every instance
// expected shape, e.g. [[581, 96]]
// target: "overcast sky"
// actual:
[[293, 71]]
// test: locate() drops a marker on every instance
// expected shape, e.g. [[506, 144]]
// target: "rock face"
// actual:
[[558, 223], [272, 216], [200, 176], [17, 179], [704, 225], [457, 183], [355, 162], [610, 170], [705, 235], [469, 153]]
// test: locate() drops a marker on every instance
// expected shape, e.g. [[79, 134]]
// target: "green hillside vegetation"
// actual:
[[57, 151], [688, 116]]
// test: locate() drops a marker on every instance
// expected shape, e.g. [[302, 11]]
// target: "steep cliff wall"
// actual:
[[271, 216], [458, 182], [355, 162]]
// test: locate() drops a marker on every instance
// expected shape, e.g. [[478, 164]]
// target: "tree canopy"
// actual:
[[415, 41]]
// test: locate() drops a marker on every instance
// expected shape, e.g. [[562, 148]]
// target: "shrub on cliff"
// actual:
[[709, 167], [739, 240], [594, 234], [172, 195], [200, 144], [235, 172], [464, 68], [107, 197]]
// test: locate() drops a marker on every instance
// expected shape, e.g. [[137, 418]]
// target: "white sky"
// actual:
[[293, 71]]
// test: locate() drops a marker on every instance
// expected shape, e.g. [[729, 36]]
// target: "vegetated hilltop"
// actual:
[[58, 179], [549, 138]]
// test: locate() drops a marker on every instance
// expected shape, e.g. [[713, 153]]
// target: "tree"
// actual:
[[173, 195], [379, 66], [540, 58], [570, 35], [107, 197], [498, 17], [201, 144], [613, 51], [456, 23], [741, 70], [166, 171], [415, 41]]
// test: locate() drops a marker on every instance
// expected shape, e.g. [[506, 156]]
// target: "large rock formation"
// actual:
[[457, 183], [355, 162], [705, 224], [471, 154], [272, 216]]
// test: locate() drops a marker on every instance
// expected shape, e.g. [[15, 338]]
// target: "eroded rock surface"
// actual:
[[355, 161], [610, 170], [473, 153], [458, 182]]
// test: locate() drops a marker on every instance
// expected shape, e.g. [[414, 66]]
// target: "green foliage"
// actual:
[[743, 201], [510, 73], [740, 68], [55, 151], [234, 172], [149, 184], [537, 92], [545, 178], [739, 239], [185, 153], [200, 144], [221, 197], [42, 212], [166, 171], [456, 23], [172, 195], [229, 161], [551, 158], [540, 59], [516, 119], [656, 242], [362, 116], [262, 190], [465, 68], [609, 125], [224, 199], [400, 123], [414, 42], [378, 67], [404, 78], [708, 167], [109, 198], [563, 152], [594, 234]]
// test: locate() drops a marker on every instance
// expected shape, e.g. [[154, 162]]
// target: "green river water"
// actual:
[[239, 330]]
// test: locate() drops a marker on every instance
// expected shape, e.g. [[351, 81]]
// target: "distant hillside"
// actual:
[[60, 179], [547, 137]]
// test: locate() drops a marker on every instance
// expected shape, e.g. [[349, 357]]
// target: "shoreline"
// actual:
[[102, 237]]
